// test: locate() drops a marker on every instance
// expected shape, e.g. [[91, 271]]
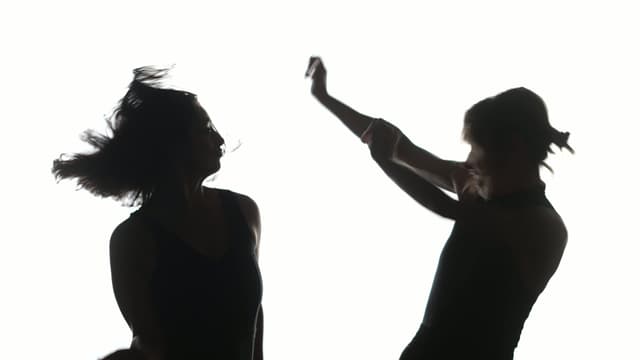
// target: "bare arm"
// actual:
[[449, 175], [353, 120], [252, 216], [382, 139], [131, 253], [422, 191]]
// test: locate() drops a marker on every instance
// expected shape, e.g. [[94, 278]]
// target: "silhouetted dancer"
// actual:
[[507, 240], [184, 265]]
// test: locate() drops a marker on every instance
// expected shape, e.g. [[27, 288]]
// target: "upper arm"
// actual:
[[446, 174], [421, 190], [252, 215], [131, 253]]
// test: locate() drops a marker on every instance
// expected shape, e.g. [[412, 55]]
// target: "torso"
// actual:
[[206, 285], [492, 269], [204, 228]]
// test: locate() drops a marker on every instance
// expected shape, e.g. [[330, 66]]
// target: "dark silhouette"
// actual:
[[184, 265], [125, 354], [507, 240]]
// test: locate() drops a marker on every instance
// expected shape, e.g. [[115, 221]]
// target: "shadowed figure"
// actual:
[[507, 240], [184, 265]]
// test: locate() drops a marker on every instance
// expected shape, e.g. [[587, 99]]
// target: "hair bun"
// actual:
[[561, 139]]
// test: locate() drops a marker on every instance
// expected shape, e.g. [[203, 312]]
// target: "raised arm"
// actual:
[[355, 121], [382, 139], [449, 175]]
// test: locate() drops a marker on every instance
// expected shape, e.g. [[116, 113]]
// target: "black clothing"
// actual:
[[207, 308], [478, 304]]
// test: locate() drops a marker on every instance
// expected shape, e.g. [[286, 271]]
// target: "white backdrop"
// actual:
[[347, 258]]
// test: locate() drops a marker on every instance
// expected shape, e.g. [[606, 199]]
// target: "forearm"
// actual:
[[437, 171], [421, 190], [355, 121]]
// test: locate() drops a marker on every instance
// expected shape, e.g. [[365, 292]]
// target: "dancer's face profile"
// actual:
[[206, 144]]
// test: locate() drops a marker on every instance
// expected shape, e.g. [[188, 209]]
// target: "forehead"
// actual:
[[202, 117]]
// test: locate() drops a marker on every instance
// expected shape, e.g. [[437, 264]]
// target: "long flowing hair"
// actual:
[[148, 131]]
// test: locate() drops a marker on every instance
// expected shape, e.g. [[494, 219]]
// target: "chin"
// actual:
[[209, 170], [214, 168]]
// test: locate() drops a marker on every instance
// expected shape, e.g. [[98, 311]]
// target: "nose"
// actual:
[[218, 142]]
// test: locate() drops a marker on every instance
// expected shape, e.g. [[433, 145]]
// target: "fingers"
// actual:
[[318, 74], [315, 67]]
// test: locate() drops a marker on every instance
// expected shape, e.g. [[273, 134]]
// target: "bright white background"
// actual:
[[347, 258]]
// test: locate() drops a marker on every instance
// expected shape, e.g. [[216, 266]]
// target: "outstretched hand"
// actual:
[[383, 139], [318, 74]]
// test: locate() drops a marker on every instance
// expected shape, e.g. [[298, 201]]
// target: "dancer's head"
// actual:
[[510, 128], [158, 135]]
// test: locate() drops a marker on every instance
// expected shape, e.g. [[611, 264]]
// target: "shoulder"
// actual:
[[539, 226], [543, 224], [246, 203], [248, 207], [131, 238], [540, 238], [534, 230]]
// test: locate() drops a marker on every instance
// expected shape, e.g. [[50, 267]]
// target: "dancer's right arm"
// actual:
[[449, 175], [131, 251], [446, 174], [355, 121]]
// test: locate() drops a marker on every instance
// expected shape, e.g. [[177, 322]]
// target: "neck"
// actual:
[[511, 181], [179, 192]]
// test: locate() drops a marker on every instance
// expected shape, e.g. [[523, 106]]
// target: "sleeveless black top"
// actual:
[[478, 304], [207, 308]]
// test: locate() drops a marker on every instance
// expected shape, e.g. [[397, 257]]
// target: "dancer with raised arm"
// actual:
[[184, 265], [507, 240]]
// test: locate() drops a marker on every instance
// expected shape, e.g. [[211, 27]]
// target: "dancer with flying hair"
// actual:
[[184, 264]]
